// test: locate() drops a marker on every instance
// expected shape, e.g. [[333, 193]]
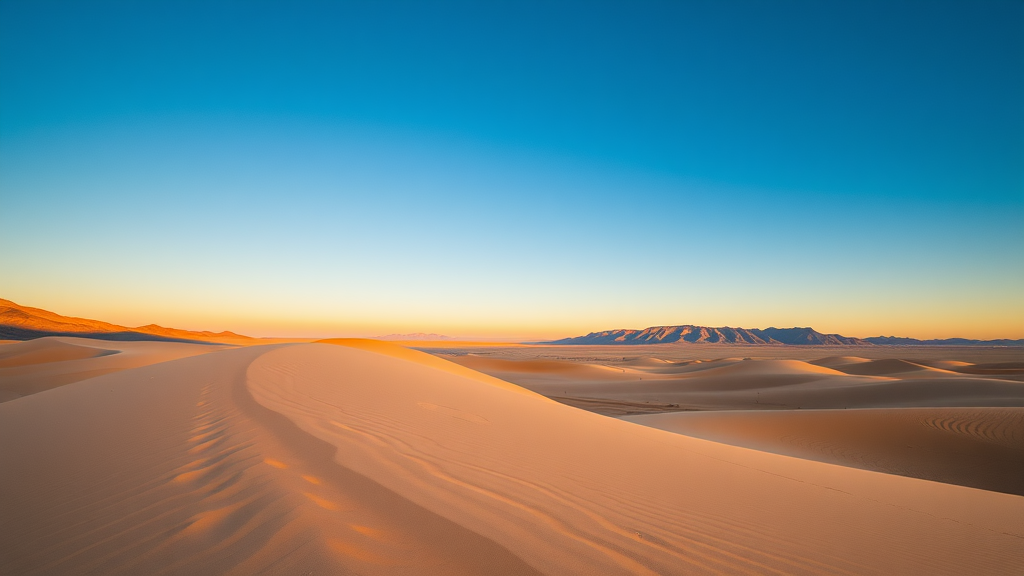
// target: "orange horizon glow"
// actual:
[[525, 328]]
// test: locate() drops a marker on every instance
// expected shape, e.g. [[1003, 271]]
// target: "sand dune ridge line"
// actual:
[[460, 477]]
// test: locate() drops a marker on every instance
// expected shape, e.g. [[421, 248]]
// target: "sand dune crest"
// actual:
[[175, 470], [47, 350], [575, 493], [34, 366]]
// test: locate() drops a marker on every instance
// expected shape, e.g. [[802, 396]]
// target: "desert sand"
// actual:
[[944, 420], [369, 458], [978, 447], [618, 385], [36, 365]]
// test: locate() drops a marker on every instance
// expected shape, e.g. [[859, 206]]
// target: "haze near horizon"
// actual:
[[520, 171]]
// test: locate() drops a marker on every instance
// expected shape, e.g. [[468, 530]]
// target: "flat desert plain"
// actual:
[[363, 457]]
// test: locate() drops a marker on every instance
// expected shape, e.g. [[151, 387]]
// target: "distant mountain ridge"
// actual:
[[690, 334], [725, 335], [415, 336], [19, 322], [897, 341]]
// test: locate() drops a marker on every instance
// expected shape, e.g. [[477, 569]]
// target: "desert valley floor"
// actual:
[[364, 457]]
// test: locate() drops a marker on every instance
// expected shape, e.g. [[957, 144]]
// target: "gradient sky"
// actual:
[[516, 169]]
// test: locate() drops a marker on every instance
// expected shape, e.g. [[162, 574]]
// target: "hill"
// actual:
[[897, 341], [792, 336], [705, 335], [19, 322], [419, 336]]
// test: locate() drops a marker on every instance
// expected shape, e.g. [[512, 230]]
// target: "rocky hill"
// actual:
[[782, 336], [725, 335]]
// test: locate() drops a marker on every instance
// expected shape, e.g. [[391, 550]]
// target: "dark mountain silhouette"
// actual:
[[788, 336], [726, 335], [897, 341]]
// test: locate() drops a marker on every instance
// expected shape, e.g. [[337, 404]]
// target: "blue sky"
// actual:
[[516, 169]]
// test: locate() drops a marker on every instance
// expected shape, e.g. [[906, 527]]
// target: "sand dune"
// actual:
[[373, 459], [615, 355], [175, 470], [755, 384], [885, 368], [1002, 369], [541, 367], [667, 368], [977, 447], [37, 365], [47, 350], [647, 362], [833, 361], [770, 367], [461, 344], [944, 364]]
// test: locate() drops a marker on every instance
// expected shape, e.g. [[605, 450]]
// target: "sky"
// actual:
[[516, 169]]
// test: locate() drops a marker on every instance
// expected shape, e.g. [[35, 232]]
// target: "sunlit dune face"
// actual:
[[321, 502], [418, 357], [453, 413], [367, 531], [356, 552], [188, 476], [208, 521]]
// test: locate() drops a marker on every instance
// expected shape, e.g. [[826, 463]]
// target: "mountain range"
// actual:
[[419, 336], [783, 336], [19, 322]]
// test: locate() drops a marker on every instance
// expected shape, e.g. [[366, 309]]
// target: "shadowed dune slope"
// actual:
[[1005, 369], [540, 368], [834, 361], [47, 350], [977, 447], [37, 365], [883, 368], [639, 385], [761, 367]]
